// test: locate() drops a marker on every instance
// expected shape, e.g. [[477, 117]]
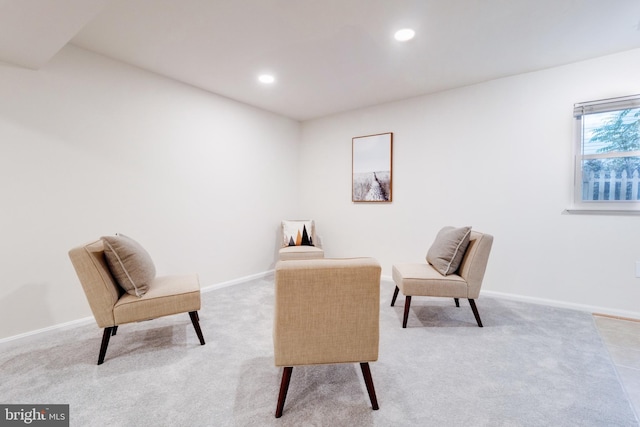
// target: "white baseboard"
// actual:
[[555, 303], [542, 301], [562, 304], [91, 319], [237, 281], [48, 329]]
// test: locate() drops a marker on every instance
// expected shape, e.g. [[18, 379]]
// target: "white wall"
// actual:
[[497, 156], [89, 146]]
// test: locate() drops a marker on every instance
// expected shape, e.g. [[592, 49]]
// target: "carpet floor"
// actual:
[[530, 365]]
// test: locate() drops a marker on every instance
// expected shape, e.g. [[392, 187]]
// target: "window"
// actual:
[[608, 154]]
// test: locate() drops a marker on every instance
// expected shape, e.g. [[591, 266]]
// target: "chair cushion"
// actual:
[[421, 279], [447, 251], [167, 295], [300, 252], [298, 233], [129, 263]]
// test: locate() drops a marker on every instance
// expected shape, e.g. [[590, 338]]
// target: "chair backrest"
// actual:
[[326, 311], [99, 286], [474, 263]]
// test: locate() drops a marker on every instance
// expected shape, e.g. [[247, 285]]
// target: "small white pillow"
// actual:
[[298, 233]]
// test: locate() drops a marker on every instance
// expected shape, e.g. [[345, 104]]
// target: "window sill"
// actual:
[[601, 212]]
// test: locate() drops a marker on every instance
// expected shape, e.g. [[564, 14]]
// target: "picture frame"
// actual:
[[371, 171]]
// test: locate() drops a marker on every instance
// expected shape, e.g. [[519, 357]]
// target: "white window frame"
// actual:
[[599, 206]]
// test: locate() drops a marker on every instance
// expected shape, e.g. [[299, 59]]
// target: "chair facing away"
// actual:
[[421, 279], [326, 311], [111, 306]]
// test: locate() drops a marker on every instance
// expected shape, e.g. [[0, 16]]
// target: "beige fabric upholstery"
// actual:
[[326, 311], [99, 286], [111, 306], [300, 252], [421, 279], [166, 295]]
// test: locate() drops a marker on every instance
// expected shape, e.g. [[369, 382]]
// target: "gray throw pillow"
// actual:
[[446, 252], [129, 263]]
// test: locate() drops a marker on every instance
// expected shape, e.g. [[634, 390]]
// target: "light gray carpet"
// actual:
[[530, 365]]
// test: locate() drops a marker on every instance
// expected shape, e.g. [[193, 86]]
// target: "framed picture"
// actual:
[[371, 168]]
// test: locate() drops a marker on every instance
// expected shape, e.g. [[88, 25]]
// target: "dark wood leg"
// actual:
[[105, 343], [284, 387], [366, 373], [395, 295], [457, 300], [196, 325], [472, 303], [407, 304], [115, 329]]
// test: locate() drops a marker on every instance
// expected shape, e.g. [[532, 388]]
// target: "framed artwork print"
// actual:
[[371, 168]]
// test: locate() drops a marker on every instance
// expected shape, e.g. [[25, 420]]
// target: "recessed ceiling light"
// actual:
[[404, 34], [266, 78]]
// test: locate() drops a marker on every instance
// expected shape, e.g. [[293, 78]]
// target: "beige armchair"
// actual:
[[326, 311], [112, 306], [298, 240], [422, 279]]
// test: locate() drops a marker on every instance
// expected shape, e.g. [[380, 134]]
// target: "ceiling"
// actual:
[[327, 56]]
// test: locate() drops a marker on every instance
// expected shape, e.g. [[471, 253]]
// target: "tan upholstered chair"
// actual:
[[326, 311], [421, 279], [303, 244], [111, 306]]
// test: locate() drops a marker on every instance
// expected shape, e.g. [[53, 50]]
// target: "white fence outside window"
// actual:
[[598, 186]]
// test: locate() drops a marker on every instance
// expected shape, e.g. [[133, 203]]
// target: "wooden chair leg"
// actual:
[[407, 304], [366, 373], [472, 303], [457, 301], [395, 295], [105, 343], [196, 325], [284, 387]]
